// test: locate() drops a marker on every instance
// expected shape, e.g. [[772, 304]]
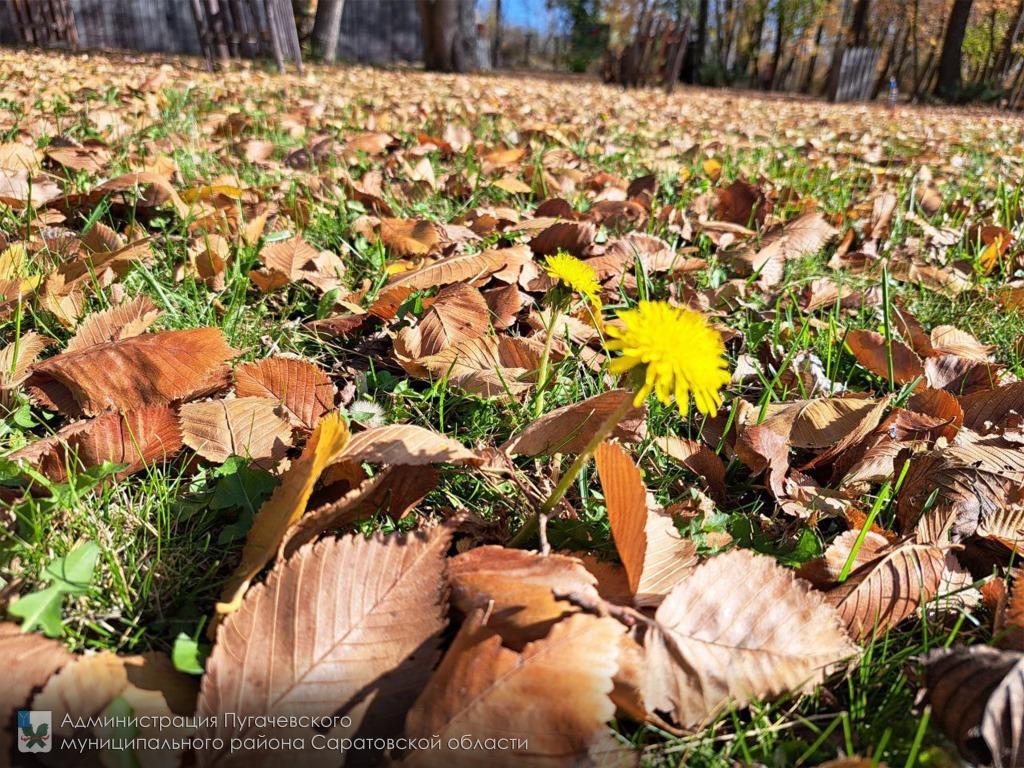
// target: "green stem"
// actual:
[[545, 362], [531, 526]]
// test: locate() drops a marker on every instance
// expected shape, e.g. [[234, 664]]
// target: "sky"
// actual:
[[520, 13]]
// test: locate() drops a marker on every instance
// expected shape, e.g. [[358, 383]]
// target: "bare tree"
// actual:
[[327, 28], [449, 34], [948, 84]]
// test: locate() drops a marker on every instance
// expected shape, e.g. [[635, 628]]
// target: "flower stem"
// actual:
[[542, 368], [531, 526]]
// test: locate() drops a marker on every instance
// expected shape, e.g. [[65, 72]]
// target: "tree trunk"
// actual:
[[496, 38], [813, 63], [449, 35], [1006, 47], [327, 28], [754, 54], [859, 27], [780, 33], [702, 38], [948, 84]]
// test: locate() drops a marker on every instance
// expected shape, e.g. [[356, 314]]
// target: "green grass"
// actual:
[[171, 535]]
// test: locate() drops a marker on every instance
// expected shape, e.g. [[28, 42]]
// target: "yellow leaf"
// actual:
[[210, 191], [285, 506], [512, 185], [990, 255], [12, 262], [712, 168]]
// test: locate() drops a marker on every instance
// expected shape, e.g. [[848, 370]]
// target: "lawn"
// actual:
[[382, 237]]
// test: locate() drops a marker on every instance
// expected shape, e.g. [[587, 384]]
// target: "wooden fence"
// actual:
[[372, 31], [856, 81]]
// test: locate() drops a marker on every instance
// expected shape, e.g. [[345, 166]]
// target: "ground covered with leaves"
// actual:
[[320, 399]]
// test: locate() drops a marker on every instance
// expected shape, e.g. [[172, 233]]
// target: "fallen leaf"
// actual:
[[366, 652], [300, 387], [249, 427], [480, 688], [739, 628], [568, 429], [149, 369], [655, 556], [406, 445], [285, 506], [978, 691]]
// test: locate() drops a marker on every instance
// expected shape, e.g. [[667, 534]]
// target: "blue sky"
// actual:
[[520, 13]]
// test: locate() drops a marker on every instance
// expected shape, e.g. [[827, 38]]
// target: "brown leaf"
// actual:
[[699, 459], [979, 690], [485, 366], [518, 589], [803, 235], [285, 506], [250, 427], [653, 553], [293, 260], [480, 688], [991, 408], [150, 369], [458, 313], [870, 348], [576, 237], [739, 628], [1013, 615], [137, 438], [410, 237], [306, 643], [121, 322], [466, 267], [303, 389], [393, 491], [33, 659], [18, 356], [741, 203], [148, 684], [972, 482], [406, 444], [949, 340], [568, 429], [888, 588]]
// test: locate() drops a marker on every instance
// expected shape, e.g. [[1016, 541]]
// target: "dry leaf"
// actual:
[[250, 427], [121, 322], [979, 691], [303, 389], [655, 556], [137, 439], [285, 506], [739, 628], [33, 660], [306, 643], [517, 588], [481, 686], [150, 369], [405, 444], [888, 588], [568, 429]]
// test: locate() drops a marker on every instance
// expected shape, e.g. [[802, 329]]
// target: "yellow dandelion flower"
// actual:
[[683, 355], [575, 275]]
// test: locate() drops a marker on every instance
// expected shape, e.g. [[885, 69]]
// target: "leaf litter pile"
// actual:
[[506, 421]]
